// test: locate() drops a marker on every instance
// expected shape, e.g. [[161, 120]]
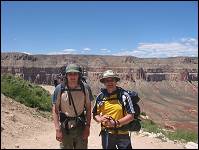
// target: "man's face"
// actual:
[[110, 83], [72, 77]]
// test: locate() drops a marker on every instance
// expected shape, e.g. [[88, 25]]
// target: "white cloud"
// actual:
[[86, 49], [184, 47], [105, 50], [69, 50], [65, 51], [191, 41], [161, 46], [56, 53], [27, 53]]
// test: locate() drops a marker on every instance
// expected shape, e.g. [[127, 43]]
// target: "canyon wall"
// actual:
[[42, 69]]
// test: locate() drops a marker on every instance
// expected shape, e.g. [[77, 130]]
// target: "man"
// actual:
[[71, 123], [109, 112]]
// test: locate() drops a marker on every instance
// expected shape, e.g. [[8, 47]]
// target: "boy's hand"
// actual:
[[59, 135]]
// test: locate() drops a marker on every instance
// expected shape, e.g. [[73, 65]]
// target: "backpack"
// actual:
[[134, 125], [134, 99], [62, 70]]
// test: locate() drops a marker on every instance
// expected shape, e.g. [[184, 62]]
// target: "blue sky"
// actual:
[[142, 29]]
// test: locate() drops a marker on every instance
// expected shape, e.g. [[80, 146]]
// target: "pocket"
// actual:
[[72, 124]]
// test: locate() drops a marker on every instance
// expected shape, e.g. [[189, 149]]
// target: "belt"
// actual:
[[114, 131]]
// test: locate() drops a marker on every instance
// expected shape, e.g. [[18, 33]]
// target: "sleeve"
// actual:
[[96, 109], [55, 93], [128, 103], [52, 99], [87, 96]]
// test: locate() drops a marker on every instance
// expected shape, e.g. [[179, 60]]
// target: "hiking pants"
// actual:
[[72, 139], [113, 141]]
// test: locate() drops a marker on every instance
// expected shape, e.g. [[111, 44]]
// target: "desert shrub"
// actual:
[[150, 126], [25, 92], [182, 135], [143, 113]]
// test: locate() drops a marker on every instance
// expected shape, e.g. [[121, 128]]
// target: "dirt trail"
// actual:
[[22, 127]]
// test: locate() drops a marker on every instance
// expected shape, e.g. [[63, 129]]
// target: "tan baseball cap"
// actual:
[[109, 74]]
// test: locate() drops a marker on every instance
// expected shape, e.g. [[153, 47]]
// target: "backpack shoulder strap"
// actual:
[[100, 97], [98, 102], [62, 87], [120, 92], [125, 100], [82, 86]]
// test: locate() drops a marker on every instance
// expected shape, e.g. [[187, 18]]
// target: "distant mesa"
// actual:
[[43, 68]]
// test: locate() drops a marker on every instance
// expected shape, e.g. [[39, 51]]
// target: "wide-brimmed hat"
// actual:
[[109, 74], [72, 68]]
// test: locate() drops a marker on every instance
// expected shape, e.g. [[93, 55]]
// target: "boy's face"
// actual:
[[110, 83], [72, 77]]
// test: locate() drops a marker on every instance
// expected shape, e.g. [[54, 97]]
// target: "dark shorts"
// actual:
[[73, 139], [113, 141]]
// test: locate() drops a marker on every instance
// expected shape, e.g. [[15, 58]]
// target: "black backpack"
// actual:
[[62, 70], [134, 99], [134, 125]]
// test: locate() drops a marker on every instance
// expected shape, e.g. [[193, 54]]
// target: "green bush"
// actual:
[[150, 126], [180, 135], [188, 136], [26, 93], [143, 113]]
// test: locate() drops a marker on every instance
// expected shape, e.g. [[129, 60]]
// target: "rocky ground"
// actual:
[[23, 127]]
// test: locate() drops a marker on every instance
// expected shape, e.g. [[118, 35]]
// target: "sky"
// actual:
[[131, 28]]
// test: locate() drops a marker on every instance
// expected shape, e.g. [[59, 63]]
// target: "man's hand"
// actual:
[[86, 132], [104, 118], [59, 135], [110, 123]]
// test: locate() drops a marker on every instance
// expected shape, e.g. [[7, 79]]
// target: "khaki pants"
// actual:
[[73, 139]]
